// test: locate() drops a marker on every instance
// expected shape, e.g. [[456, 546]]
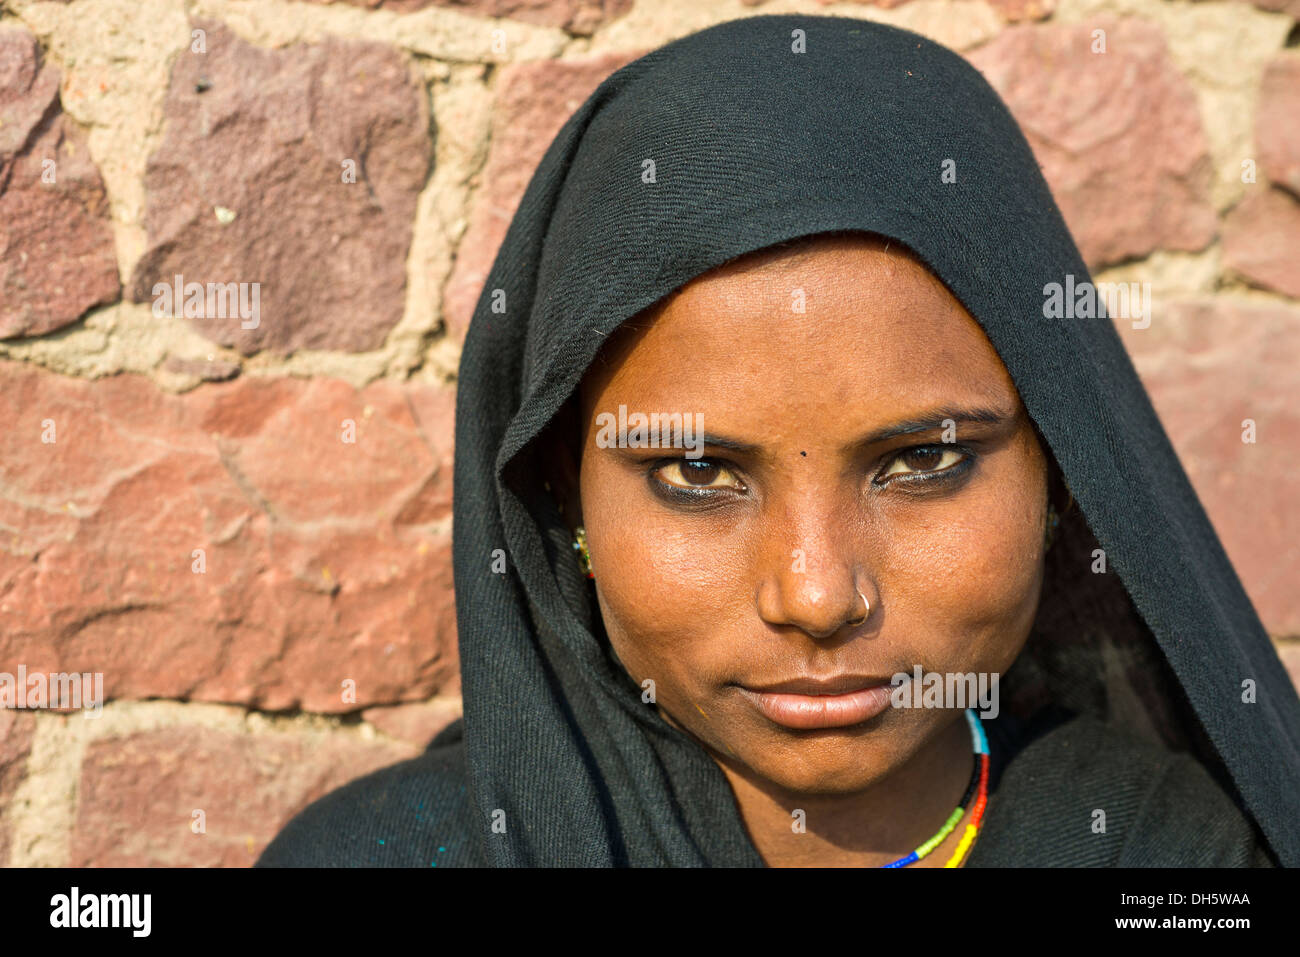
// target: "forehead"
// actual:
[[849, 320]]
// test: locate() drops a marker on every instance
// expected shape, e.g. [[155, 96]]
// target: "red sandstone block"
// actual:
[[1209, 365], [56, 239], [259, 542], [533, 101], [1118, 133], [139, 794], [291, 175]]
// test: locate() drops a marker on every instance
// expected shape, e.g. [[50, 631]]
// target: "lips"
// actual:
[[808, 703], [832, 685]]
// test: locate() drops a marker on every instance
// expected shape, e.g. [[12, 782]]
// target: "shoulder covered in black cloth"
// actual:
[[412, 814], [1082, 793], [1043, 811]]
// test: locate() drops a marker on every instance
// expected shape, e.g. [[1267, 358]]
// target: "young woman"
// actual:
[[763, 434]]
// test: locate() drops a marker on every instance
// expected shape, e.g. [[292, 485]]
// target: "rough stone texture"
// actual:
[[579, 17], [416, 723], [1014, 11], [325, 560], [1209, 364], [1277, 122], [1009, 10], [248, 187], [16, 729], [217, 370], [886, 4], [56, 241], [533, 101], [1290, 7], [138, 793], [1118, 134], [1261, 240]]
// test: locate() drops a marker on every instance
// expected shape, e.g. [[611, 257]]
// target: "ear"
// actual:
[[562, 461]]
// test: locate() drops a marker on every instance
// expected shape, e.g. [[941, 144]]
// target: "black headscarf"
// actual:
[[762, 130]]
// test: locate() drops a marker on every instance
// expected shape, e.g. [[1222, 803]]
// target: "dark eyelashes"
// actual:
[[705, 496], [945, 475], [686, 496], [700, 497]]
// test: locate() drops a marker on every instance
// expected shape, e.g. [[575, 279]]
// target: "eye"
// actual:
[[925, 460], [696, 474]]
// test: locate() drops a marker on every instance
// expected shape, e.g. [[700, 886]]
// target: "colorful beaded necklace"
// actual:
[[979, 781]]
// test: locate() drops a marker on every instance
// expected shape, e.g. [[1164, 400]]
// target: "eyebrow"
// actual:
[[927, 421]]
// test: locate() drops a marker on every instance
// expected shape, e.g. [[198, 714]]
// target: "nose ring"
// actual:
[[867, 605]]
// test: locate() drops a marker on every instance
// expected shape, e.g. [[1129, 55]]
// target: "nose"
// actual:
[[811, 580]]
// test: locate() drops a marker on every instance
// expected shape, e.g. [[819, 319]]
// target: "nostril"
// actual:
[[866, 611]]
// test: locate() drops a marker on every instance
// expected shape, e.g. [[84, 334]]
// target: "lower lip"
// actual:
[[806, 711]]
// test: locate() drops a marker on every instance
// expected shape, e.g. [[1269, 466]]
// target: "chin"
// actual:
[[848, 769], [831, 781]]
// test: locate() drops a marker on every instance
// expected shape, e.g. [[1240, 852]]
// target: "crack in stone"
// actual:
[[244, 484], [72, 628]]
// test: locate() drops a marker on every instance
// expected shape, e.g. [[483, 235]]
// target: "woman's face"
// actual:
[[742, 568]]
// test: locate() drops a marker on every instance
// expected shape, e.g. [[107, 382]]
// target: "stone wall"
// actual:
[[245, 525]]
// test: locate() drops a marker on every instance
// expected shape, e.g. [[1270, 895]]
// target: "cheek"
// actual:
[[965, 586], [662, 593]]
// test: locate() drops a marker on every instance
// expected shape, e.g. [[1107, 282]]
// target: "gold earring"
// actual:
[[580, 546]]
